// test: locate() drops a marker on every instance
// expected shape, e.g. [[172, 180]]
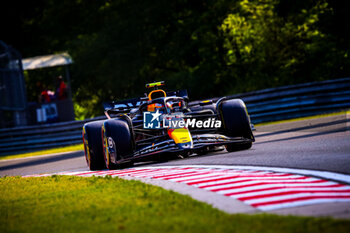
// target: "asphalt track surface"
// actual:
[[316, 144]]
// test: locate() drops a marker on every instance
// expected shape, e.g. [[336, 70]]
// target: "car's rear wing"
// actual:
[[125, 106]]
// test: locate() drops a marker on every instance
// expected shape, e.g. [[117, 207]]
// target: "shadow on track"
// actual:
[[305, 136], [311, 127], [39, 160]]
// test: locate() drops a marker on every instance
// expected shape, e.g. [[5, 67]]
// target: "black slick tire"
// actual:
[[92, 140], [236, 123], [117, 143]]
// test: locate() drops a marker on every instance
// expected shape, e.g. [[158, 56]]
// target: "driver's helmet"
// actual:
[[170, 104], [154, 107], [173, 105]]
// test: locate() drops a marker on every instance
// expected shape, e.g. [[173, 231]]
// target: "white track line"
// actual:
[[300, 203], [279, 191], [231, 192], [324, 174]]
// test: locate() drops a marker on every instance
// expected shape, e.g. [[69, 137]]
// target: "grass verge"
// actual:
[[96, 204], [45, 152]]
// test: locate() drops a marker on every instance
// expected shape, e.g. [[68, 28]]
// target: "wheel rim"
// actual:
[[105, 147]]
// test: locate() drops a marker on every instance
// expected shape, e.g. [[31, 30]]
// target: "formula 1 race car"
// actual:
[[163, 124]]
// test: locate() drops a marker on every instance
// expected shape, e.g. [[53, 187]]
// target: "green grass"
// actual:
[[77, 204], [72, 148]]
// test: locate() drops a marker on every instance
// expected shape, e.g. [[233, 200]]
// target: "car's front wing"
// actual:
[[199, 141]]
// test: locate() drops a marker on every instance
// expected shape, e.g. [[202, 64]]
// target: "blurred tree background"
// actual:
[[212, 48]]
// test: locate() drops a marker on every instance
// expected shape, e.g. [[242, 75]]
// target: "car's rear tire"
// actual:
[[117, 143], [236, 123], [93, 145]]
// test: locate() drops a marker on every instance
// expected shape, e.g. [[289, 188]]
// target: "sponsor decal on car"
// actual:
[[151, 120], [157, 120]]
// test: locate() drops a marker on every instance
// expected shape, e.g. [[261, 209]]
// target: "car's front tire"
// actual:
[[117, 143], [236, 123]]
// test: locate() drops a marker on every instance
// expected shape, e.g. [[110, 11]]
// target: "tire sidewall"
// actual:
[[118, 130], [235, 119], [92, 145]]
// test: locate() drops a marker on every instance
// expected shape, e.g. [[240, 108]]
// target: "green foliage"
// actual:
[[212, 48], [96, 204], [271, 49], [86, 107]]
